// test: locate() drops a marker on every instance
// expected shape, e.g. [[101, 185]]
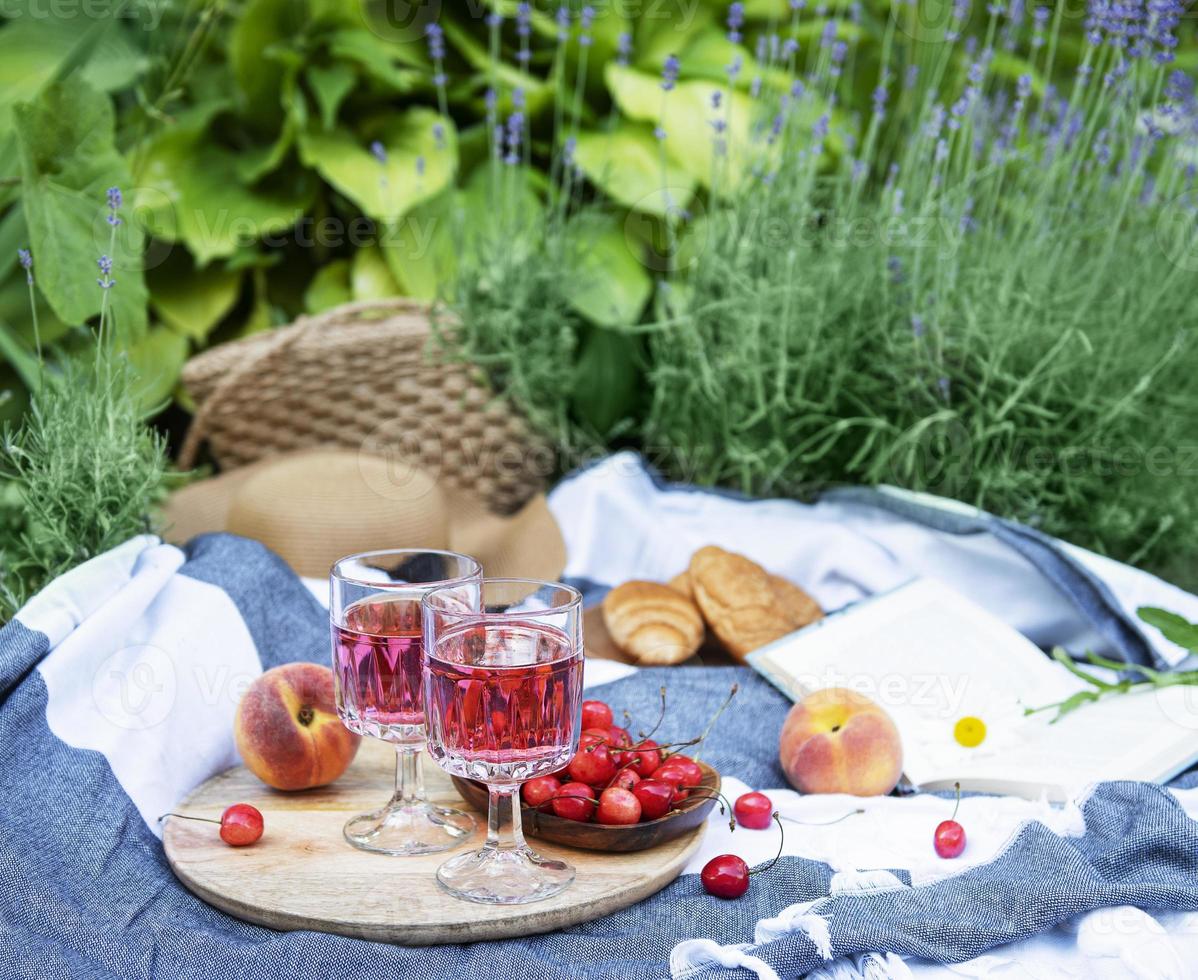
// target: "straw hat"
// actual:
[[315, 506]]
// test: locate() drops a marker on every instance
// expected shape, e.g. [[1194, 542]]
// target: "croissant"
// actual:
[[653, 622]]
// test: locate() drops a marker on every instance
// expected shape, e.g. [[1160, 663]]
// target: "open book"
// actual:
[[931, 657]]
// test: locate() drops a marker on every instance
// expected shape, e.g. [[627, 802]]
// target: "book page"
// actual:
[[930, 657]]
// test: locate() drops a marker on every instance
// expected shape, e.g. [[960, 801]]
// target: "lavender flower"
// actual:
[[379, 152], [839, 50], [918, 327], [568, 149], [420, 166], [733, 69], [586, 17], [523, 19], [105, 281], [563, 24], [515, 129], [659, 134], [669, 73], [736, 20], [518, 100], [436, 41], [439, 135], [944, 386], [790, 47], [115, 200], [796, 89], [828, 35], [880, 97], [25, 257], [495, 19], [624, 48], [894, 265], [820, 129]]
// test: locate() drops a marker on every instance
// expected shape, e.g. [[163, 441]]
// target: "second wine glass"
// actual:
[[377, 659], [503, 694]]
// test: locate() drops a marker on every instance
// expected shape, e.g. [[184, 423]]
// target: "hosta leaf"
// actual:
[[385, 191], [263, 27], [605, 279], [398, 66], [192, 301], [190, 190], [329, 287], [157, 360], [632, 168], [369, 276], [656, 38], [607, 379], [68, 162], [420, 248], [330, 86]]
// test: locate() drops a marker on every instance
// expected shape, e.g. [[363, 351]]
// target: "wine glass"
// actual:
[[374, 610], [503, 702]]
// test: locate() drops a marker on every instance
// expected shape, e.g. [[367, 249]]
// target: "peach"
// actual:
[[287, 729], [839, 741]]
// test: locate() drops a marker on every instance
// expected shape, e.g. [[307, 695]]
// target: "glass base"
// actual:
[[411, 828], [504, 876]]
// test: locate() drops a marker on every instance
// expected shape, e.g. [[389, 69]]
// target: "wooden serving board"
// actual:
[[303, 875]]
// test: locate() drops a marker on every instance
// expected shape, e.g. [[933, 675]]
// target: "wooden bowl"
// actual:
[[601, 837]]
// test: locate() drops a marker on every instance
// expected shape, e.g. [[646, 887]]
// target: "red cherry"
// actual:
[[726, 876], [753, 810], [592, 736], [240, 824], [574, 802], [645, 759], [596, 714], [539, 791], [592, 765], [688, 771], [656, 797], [949, 839], [626, 779], [618, 806]]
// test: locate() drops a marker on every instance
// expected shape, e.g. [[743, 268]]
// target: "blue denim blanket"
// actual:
[[98, 726]]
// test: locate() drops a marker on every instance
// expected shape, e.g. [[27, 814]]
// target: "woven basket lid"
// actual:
[[367, 377]]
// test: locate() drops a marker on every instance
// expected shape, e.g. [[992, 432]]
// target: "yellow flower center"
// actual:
[[970, 732]]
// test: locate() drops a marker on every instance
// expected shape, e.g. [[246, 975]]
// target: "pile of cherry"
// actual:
[[612, 779]]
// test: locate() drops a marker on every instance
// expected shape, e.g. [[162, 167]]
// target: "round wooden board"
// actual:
[[303, 875]]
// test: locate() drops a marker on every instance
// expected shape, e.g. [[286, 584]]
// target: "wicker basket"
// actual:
[[363, 376]]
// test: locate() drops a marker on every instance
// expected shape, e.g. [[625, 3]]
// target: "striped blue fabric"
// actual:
[[85, 890]]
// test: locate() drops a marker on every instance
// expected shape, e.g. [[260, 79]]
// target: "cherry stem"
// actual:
[[957, 787], [661, 716], [184, 816], [715, 718], [782, 831], [707, 793], [823, 823]]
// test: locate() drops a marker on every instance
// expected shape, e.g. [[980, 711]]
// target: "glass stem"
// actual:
[[496, 839], [409, 777]]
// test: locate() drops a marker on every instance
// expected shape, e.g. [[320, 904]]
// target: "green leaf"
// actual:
[[192, 301], [330, 86], [607, 379], [369, 277], [657, 38], [68, 162], [157, 360], [190, 190], [632, 168], [399, 67], [329, 287], [419, 248], [14, 310], [263, 25], [385, 191], [690, 143], [604, 279], [1176, 629]]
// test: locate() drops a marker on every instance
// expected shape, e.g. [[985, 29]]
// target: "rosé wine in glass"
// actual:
[[503, 703], [378, 643], [514, 716], [377, 660]]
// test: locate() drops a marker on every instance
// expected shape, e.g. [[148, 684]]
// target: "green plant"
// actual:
[[1135, 677]]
